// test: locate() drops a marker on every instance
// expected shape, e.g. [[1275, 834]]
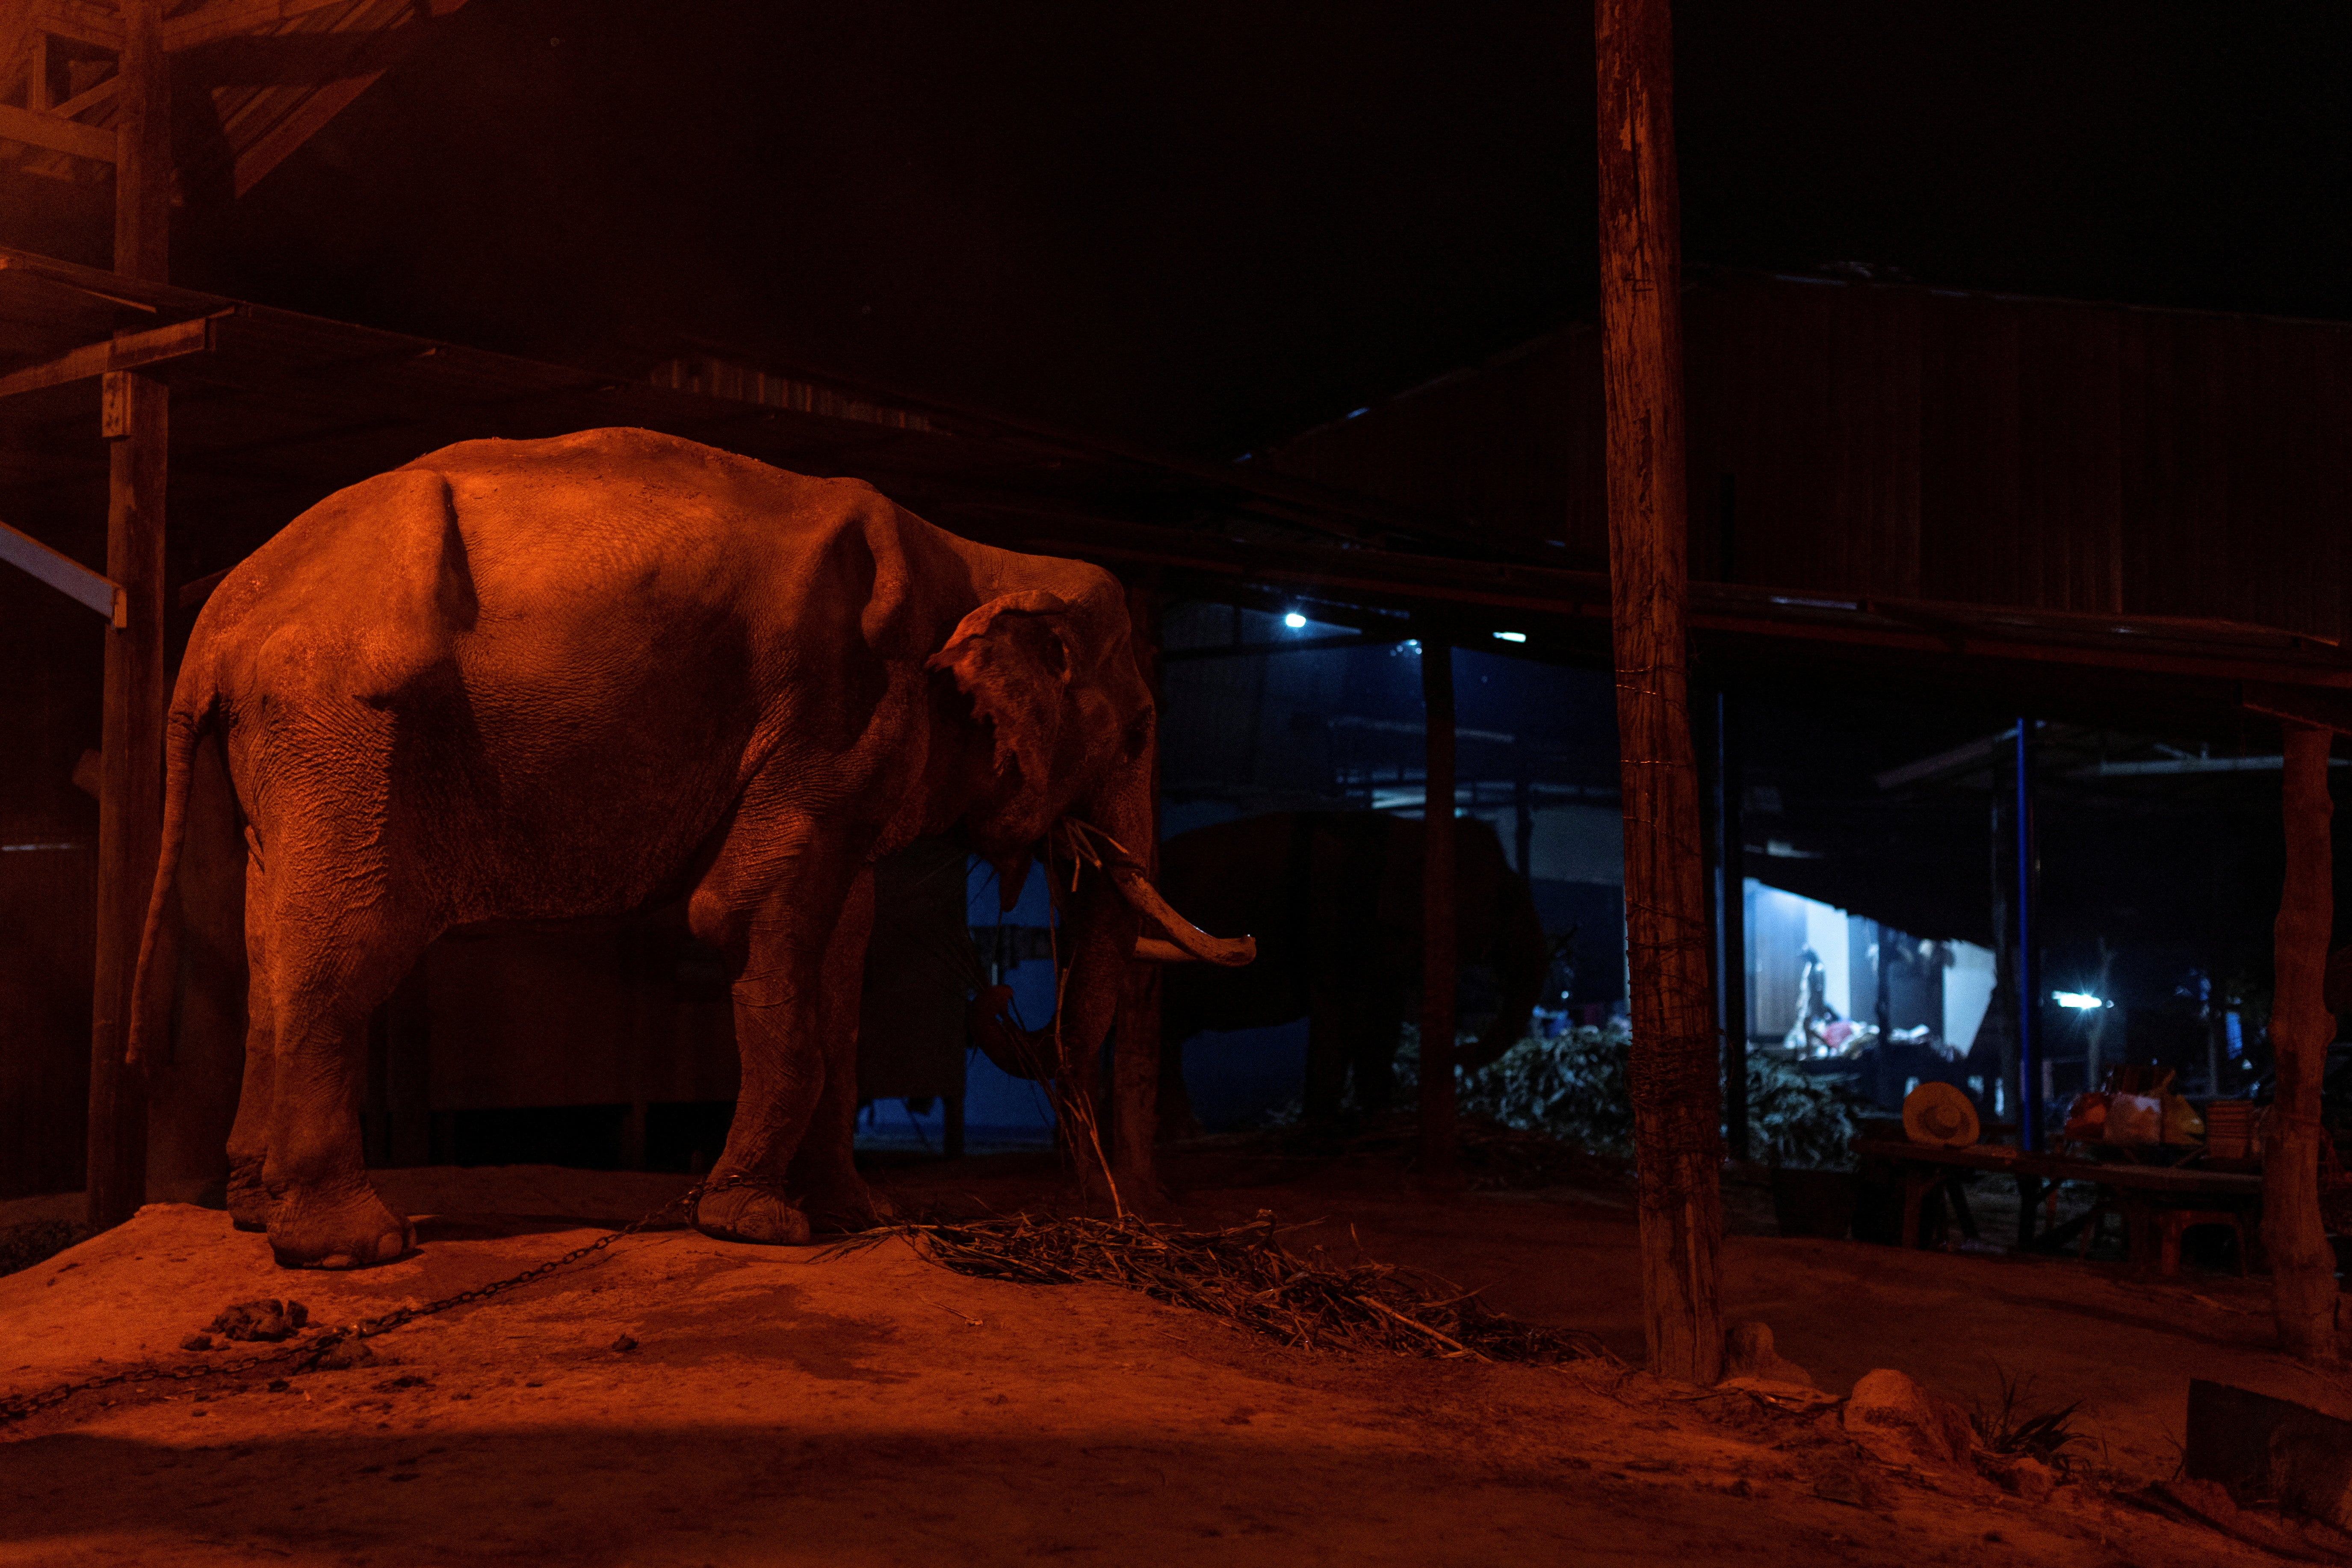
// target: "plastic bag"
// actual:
[[2134, 1118]]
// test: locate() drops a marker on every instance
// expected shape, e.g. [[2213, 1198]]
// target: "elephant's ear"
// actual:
[[1012, 659]]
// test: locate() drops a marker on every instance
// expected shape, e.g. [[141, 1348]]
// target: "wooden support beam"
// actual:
[[130, 809], [63, 572], [370, 60], [1677, 1138], [55, 135], [142, 132], [1135, 1044], [2300, 705], [127, 350], [130, 801], [90, 99], [234, 19], [83, 21], [2303, 1266], [37, 69], [1440, 960]]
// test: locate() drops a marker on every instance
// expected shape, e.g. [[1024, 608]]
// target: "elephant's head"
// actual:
[[1068, 766]]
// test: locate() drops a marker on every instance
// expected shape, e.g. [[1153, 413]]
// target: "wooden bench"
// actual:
[[2157, 1202]]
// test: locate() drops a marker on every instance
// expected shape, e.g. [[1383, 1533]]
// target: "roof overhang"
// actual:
[[272, 410]]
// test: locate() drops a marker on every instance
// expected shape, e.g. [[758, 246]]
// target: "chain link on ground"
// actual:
[[306, 1356]]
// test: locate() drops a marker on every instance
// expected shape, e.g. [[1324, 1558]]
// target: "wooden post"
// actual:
[[143, 151], [2302, 1268], [1135, 1040], [130, 813], [1676, 1136], [1439, 960]]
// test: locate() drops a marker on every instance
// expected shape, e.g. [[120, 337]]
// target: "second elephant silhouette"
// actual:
[[1334, 898]]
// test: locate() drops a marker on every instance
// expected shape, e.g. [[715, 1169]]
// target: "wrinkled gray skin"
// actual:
[[552, 678]]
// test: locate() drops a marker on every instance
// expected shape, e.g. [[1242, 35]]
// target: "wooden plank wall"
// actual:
[[1912, 443]]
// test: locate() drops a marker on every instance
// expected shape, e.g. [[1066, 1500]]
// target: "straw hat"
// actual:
[[1938, 1114]]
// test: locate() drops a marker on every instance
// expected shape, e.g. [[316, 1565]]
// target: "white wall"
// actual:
[[1827, 934], [1968, 992]]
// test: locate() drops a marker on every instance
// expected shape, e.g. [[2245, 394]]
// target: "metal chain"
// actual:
[[305, 1356]]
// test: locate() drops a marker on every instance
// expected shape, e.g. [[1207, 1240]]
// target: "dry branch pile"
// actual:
[[1246, 1275]]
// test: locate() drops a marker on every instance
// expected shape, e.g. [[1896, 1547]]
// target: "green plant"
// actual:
[[2007, 1430], [1796, 1119]]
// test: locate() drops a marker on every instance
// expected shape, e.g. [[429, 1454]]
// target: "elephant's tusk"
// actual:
[[1231, 951], [1152, 950]]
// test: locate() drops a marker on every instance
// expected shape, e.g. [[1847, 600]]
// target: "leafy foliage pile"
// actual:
[[1572, 1087]]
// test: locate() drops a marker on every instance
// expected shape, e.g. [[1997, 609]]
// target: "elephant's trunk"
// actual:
[[1115, 902]]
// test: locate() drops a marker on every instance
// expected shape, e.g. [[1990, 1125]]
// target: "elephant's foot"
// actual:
[[341, 1227], [249, 1203], [843, 1203], [751, 1210]]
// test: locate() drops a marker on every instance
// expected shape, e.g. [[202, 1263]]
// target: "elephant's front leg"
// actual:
[[773, 908], [823, 1174]]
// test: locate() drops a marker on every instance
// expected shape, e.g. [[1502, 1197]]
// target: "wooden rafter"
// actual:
[[343, 47], [52, 134], [237, 18]]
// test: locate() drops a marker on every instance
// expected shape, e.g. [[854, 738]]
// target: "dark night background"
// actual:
[[1208, 226]]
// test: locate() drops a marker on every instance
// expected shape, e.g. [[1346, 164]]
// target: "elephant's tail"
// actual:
[[190, 720]]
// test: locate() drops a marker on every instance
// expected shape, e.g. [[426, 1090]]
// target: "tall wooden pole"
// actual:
[[136, 413], [2302, 1268], [1678, 1139], [1135, 1043], [1439, 960]]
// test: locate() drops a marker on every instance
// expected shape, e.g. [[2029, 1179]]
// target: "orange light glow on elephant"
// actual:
[[542, 679]]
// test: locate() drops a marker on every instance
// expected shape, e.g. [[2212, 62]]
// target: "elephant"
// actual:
[[536, 680], [1334, 898]]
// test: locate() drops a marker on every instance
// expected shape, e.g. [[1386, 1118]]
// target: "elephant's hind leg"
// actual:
[[249, 1204], [321, 964]]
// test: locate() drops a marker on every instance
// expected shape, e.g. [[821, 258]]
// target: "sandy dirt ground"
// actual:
[[781, 1407]]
